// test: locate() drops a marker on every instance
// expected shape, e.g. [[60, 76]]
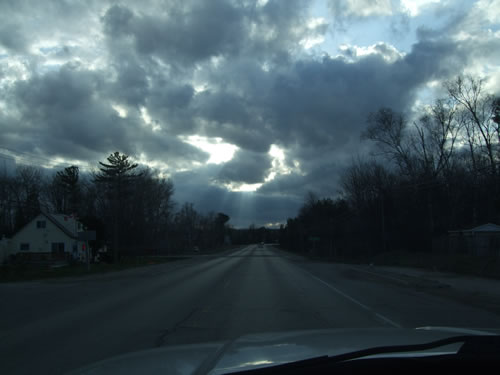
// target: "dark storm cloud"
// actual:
[[65, 113], [131, 85], [170, 104], [189, 32], [245, 167], [63, 107], [24, 22], [325, 102], [320, 103], [193, 31], [236, 118], [317, 109], [314, 103], [160, 146], [12, 37]]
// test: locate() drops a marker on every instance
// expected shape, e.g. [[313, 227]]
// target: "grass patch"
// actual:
[[27, 272], [487, 266], [483, 266]]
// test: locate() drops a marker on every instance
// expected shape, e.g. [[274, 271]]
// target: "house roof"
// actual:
[[485, 228], [63, 223], [489, 227]]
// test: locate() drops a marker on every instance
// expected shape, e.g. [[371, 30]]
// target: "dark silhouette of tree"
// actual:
[[187, 223], [388, 129], [26, 190], [436, 173], [150, 211], [116, 178], [65, 192], [220, 227]]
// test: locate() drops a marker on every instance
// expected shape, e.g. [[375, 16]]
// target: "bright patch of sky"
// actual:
[[279, 166], [219, 151], [120, 110], [246, 188], [155, 164], [276, 225], [414, 7], [148, 121], [387, 21], [369, 8], [389, 53], [312, 24]]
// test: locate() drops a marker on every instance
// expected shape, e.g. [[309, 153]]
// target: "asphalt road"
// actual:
[[50, 327]]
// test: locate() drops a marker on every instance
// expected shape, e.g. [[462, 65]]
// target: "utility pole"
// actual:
[[331, 237], [88, 255], [382, 212]]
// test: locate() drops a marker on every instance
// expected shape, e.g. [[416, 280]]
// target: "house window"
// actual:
[[24, 246], [57, 247], [40, 224]]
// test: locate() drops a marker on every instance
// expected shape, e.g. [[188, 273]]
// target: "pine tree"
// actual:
[[116, 176]]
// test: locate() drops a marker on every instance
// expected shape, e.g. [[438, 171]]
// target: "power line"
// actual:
[[9, 153], [6, 157], [27, 156]]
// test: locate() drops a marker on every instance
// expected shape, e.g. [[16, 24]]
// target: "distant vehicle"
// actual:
[[196, 249], [261, 244], [346, 351]]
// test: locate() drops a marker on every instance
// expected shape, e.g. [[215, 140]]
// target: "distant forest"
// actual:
[[427, 176]]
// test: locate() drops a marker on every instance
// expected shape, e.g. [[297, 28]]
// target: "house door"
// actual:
[[58, 249]]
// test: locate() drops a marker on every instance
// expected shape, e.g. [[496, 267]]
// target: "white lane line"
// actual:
[[355, 301], [340, 292], [387, 320]]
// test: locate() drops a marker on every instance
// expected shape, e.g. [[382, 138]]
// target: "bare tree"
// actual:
[[387, 129], [435, 138], [495, 109], [468, 92]]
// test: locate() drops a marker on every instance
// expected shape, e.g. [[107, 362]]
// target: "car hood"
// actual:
[[268, 349]]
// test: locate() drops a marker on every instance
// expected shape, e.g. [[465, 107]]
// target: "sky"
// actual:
[[246, 105]]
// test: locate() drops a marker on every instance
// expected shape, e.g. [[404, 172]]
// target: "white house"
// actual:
[[483, 240], [50, 236]]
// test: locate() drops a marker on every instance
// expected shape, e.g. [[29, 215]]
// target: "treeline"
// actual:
[[254, 235], [131, 207], [436, 173]]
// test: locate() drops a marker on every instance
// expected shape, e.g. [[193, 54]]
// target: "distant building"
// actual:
[[483, 240], [49, 237]]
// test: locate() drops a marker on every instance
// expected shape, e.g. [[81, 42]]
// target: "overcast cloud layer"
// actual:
[[288, 83]]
